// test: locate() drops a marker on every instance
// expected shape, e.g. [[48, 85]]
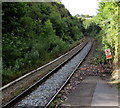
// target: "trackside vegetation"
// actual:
[[107, 22], [34, 34]]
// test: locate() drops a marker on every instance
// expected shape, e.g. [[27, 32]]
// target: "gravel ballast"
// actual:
[[42, 95], [16, 87]]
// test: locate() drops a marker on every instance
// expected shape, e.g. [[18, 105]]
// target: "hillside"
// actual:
[[34, 34]]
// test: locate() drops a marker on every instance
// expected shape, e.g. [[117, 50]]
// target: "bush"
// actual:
[[34, 34]]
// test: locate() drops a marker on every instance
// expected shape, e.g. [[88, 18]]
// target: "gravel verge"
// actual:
[[18, 86], [42, 95], [86, 69]]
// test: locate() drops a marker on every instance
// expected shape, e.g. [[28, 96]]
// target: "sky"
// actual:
[[81, 6]]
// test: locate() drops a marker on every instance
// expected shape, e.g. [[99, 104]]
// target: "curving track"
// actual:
[[52, 84]]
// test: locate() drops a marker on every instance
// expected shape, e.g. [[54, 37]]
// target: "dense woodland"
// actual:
[[35, 33]]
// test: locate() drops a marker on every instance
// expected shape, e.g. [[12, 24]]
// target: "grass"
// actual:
[[56, 102], [18, 92]]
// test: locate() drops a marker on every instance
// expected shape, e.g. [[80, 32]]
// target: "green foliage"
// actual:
[[35, 33], [100, 57], [108, 19], [104, 27], [92, 28]]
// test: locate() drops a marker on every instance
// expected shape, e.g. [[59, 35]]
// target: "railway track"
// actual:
[[17, 86], [44, 91]]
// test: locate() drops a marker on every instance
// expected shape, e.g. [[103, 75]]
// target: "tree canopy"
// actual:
[[35, 33]]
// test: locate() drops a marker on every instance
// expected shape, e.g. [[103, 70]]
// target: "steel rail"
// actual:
[[67, 79], [12, 89], [13, 101], [28, 74]]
